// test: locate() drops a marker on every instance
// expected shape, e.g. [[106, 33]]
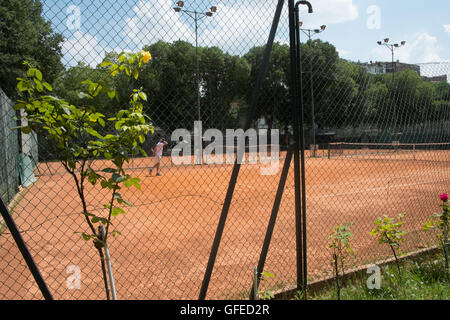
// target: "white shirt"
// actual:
[[159, 149]]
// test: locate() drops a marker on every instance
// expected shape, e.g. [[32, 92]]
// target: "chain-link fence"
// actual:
[[376, 142], [9, 181]]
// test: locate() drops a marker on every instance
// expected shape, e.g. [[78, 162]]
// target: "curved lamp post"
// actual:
[[299, 171]]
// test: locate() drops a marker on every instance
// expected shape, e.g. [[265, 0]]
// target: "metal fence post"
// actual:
[[236, 168], [24, 251]]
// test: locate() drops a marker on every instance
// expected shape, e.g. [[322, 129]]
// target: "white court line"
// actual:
[[375, 189], [386, 178]]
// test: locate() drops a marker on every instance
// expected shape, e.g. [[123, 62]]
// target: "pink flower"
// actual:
[[444, 197]]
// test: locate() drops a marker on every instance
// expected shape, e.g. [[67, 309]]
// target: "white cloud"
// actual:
[[81, 47], [155, 20], [329, 12], [234, 28], [447, 28], [344, 53], [421, 48], [239, 28], [85, 48]]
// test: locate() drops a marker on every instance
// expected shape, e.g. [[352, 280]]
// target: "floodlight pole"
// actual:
[[197, 65], [196, 16], [309, 33], [392, 48]]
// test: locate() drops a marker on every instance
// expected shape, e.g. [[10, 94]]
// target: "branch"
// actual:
[[80, 194], [111, 204]]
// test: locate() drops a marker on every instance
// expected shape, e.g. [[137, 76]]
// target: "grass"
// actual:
[[423, 279]]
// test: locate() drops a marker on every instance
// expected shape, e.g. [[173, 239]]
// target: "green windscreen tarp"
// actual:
[[15, 168]]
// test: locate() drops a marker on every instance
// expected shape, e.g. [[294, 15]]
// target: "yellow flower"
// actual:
[[146, 56]]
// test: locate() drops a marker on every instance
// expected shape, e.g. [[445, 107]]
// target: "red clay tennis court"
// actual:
[[166, 236]]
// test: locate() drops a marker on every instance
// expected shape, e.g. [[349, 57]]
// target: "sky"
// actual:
[[93, 27]]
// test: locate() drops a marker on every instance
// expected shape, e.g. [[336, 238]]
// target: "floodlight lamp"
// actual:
[[396, 45], [316, 30], [379, 42], [323, 27], [177, 9], [386, 40], [213, 9], [403, 43], [180, 4], [300, 23], [209, 14]]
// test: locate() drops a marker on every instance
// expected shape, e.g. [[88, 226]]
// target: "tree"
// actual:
[[319, 71], [172, 86], [331, 83], [387, 230], [74, 134], [70, 84], [225, 78], [274, 102], [26, 35], [172, 80]]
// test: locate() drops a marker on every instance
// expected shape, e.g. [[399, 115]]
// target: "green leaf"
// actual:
[[115, 232], [86, 237], [105, 63], [26, 130], [82, 95], [19, 106], [143, 95], [120, 200], [47, 86], [31, 72], [133, 182], [128, 71], [116, 211], [118, 125], [21, 86], [94, 133], [111, 94], [39, 86], [104, 184], [117, 178], [114, 70], [38, 75], [97, 90]]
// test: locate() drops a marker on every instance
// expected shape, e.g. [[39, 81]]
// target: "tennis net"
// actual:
[[390, 151]]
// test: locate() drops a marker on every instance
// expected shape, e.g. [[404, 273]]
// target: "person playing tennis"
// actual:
[[158, 151]]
